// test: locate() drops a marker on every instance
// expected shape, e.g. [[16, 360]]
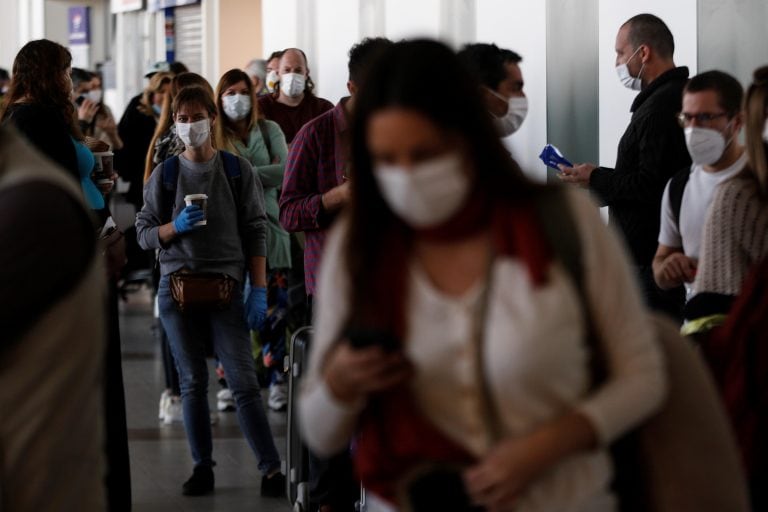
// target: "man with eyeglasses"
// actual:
[[651, 150], [711, 120]]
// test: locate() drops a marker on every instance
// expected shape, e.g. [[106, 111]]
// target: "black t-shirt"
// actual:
[[45, 128]]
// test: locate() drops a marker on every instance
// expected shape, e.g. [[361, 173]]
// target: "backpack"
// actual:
[[676, 189], [683, 458], [171, 179], [262, 124]]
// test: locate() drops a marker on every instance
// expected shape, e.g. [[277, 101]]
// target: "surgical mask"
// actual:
[[236, 106], [765, 132], [428, 194], [272, 80], [517, 109], [292, 84], [195, 134], [157, 108], [94, 95], [628, 80], [705, 145]]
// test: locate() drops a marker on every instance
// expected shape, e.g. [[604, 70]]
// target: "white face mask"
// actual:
[[426, 195], [628, 80], [292, 84], [765, 132], [517, 109], [94, 95], [705, 145], [236, 106], [195, 134], [271, 81]]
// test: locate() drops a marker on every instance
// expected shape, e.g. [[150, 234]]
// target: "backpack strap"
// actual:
[[170, 183], [231, 165], [676, 188], [265, 136]]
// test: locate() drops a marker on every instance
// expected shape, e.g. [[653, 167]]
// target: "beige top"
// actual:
[[51, 389], [735, 237]]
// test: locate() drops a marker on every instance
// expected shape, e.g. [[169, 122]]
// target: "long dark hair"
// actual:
[[40, 76], [450, 99]]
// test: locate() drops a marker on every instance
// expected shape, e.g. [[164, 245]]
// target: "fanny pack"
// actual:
[[201, 291]]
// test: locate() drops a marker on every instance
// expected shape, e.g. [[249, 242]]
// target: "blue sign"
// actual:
[[156, 5], [79, 25]]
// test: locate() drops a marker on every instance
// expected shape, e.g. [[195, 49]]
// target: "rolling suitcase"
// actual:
[[297, 457]]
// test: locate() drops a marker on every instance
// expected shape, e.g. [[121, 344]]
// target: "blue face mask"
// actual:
[[157, 108]]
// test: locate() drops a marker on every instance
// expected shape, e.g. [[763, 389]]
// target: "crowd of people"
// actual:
[[451, 352]]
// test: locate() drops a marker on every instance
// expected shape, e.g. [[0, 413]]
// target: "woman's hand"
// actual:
[[512, 465], [353, 373], [498, 480], [87, 110]]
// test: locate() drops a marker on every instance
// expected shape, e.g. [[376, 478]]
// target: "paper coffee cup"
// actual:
[[200, 200], [103, 164]]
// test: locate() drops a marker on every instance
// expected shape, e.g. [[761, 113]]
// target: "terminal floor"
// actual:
[[160, 460]]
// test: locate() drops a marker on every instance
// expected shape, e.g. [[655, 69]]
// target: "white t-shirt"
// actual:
[[697, 196]]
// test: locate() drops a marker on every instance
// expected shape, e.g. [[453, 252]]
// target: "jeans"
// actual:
[[187, 333]]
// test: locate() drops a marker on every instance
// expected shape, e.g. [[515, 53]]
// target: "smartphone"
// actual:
[[79, 101], [439, 489], [366, 337]]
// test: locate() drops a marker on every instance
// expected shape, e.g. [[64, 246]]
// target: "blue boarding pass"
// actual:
[[552, 157]]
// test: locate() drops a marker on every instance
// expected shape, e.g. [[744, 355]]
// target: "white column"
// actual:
[[457, 22], [31, 20], [373, 16], [210, 11]]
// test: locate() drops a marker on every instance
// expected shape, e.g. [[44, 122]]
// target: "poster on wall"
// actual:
[[79, 28], [125, 5], [79, 25], [156, 5]]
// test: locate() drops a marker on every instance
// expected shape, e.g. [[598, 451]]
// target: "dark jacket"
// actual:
[[651, 150], [136, 129]]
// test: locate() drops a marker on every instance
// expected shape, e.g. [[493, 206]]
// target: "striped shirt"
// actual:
[[317, 162]]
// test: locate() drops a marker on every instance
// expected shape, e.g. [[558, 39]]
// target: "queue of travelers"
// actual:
[[425, 263]]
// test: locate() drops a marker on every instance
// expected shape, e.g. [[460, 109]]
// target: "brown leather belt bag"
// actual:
[[201, 291]]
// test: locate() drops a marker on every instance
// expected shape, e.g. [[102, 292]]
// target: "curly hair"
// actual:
[[41, 76]]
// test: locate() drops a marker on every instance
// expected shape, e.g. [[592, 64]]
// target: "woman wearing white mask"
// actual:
[[735, 233], [239, 129], [217, 245], [499, 73], [429, 339], [293, 103]]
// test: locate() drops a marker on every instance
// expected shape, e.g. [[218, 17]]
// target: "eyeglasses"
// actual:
[[703, 118]]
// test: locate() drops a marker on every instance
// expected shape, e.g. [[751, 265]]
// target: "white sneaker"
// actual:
[[225, 401], [164, 398], [173, 412], [278, 397]]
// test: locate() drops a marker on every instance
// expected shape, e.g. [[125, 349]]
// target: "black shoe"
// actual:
[[274, 486], [201, 482]]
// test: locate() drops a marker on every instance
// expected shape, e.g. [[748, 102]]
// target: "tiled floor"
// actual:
[[160, 460]]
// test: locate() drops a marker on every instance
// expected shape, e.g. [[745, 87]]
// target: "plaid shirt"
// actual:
[[317, 162]]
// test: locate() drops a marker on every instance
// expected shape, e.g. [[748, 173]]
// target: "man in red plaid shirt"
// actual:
[[315, 189]]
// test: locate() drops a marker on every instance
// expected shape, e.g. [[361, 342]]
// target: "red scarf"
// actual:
[[394, 437]]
